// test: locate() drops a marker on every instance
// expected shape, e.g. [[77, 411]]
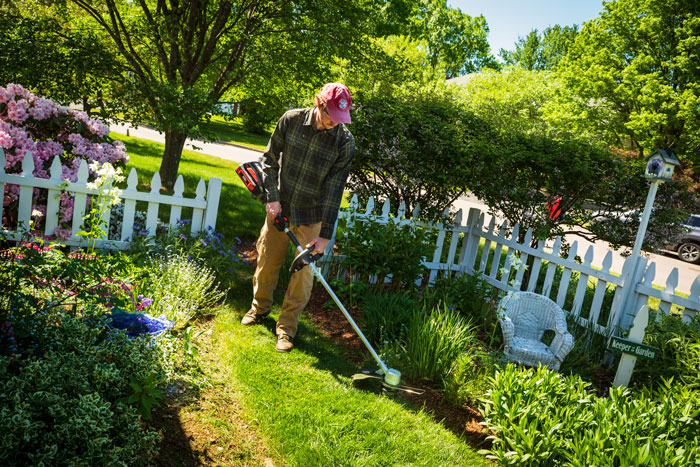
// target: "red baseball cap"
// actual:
[[337, 99]]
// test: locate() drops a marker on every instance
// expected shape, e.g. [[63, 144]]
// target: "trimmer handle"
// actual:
[[281, 222], [304, 258]]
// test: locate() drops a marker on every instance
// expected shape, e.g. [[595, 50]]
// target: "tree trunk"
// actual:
[[174, 142]]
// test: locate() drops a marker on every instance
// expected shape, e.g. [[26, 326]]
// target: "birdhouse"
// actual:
[[660, 165]]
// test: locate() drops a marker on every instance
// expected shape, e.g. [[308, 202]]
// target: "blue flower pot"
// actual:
[[139, 324]]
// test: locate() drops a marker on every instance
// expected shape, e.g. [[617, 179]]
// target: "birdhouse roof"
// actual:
[[667, 155]]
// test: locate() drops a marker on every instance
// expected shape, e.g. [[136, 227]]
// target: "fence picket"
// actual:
[[454, 241], [565, 280], [536, 265], [582, 285], [486, 251], [437, 252], [176, 211], [53, 199], [498, 250], [80, 198], [198, 213], [551, 269]]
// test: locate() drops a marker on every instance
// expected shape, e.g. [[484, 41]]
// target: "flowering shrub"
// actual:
[[45, 129]]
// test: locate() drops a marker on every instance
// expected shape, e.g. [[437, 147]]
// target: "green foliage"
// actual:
[[63, 64], [540, 418], [393, 134], [209, 247], [434, 341], [465, 293], [535, 52], [383, 250], [144, 396], [510, 100], [37, 277], [470, 377], [632, 77], [181, 288], [64, 409], [385, 317], [456, 40], [260, 113], [679, 352]]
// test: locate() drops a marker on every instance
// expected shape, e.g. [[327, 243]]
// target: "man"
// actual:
[[305, 168]]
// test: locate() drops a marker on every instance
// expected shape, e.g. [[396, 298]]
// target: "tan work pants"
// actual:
[[272, 248]]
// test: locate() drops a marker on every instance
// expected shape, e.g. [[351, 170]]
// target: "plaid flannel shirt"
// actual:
[[305, 169]]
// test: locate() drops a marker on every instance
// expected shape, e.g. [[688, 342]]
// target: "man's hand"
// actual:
[[272, 209], [319, 244]]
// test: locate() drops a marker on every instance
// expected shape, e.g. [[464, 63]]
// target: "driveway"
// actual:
[[664, 263]]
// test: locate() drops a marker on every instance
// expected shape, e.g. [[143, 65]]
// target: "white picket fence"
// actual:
[[457, 251], [204, 209]]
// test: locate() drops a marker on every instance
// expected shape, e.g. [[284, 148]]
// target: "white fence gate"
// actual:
[[457, 251], [204, 209]]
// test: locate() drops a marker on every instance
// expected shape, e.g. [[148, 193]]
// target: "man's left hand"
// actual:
[[319, 244]]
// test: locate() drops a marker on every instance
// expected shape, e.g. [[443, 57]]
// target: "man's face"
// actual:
[[324, 121]]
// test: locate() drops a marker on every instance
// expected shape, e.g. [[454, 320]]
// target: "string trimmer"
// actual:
[[251, 175]]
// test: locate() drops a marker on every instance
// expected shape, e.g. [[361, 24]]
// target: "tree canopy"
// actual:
[[541, 52], [180, 57], [632, 78]]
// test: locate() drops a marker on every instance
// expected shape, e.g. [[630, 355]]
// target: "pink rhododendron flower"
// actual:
[[76, 137]]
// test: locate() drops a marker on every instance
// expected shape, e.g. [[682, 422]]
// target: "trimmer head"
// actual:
[[389, 382]]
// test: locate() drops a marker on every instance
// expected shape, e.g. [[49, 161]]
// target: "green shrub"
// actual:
[[678, 356], [386, 316], [470, 377], [541, 418], [62, 408], [417, 147], [180, 288], [386, 250], [467, 294], [434, 341]]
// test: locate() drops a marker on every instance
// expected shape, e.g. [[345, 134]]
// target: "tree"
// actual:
[[63, 63], [181, 56], [455, 39], [523, 176], [632, 78], [541, 52]]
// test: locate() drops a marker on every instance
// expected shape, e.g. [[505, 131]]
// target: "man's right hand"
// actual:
[[272, 209]]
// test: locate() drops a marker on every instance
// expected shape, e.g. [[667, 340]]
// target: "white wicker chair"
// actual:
[[524, 317]]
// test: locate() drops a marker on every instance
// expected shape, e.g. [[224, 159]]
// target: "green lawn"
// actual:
[[305, 408], [232, 131]]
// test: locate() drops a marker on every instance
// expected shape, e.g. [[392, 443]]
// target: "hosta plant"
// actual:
[[538, 417]]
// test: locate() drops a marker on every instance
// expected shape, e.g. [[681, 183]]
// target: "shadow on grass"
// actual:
[[175, 448]]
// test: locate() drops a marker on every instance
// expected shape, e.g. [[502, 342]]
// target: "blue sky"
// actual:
[[509, 19]]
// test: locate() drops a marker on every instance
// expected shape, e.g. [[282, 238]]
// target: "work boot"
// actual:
[[252, 317], [284, 343]]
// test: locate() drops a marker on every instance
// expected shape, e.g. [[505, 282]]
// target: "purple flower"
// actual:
[[147, 302], [182, 236], [202, 242]]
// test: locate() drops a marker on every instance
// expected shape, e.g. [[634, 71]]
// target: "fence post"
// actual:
[[622, 306], [627, 361]]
